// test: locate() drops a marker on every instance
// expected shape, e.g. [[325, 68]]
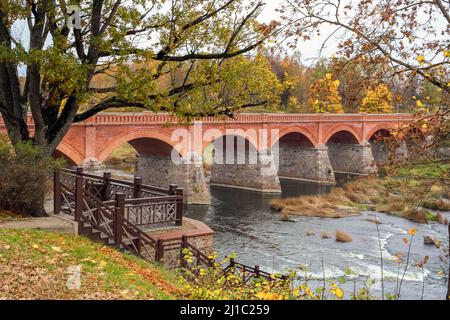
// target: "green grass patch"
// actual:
[[424, 171], [28, 257]]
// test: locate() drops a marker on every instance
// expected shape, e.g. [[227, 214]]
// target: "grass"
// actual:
[[397, 196], [422, 170], [34, 265], [124, 153]]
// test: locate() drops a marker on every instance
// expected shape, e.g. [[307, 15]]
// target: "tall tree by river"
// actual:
[[59, 62]]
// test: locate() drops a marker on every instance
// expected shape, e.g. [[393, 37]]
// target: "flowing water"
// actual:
[[244, 224]]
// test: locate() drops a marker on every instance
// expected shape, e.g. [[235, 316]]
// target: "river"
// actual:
[[244, 224]]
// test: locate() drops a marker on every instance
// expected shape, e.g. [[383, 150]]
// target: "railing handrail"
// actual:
[[143, 187], [114, 211]]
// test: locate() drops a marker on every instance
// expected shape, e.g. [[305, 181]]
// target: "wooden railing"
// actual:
[[116, 213], [143, 205]]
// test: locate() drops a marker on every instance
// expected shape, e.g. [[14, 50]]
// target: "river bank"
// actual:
[[417, 198], [244, 224]]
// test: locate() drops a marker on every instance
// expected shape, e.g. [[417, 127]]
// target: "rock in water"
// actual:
[[342, 236], [429, 240], [441, 218], [325, 235]]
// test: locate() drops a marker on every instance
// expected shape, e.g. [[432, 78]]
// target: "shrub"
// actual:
[[219, 283], [25, 177], [417, 215]]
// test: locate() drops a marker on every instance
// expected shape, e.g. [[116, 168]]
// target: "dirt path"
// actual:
[[51, 223]]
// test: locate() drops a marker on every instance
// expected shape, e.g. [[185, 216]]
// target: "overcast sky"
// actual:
[[309, 50]]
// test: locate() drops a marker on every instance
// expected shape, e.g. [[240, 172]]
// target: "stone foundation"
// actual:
[[260, 176], [352, 158], [158, 170], [198, 233], [384, 156], [306, 164]]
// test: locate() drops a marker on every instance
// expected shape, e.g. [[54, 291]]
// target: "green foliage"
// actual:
[[25, 176], [155, 74]]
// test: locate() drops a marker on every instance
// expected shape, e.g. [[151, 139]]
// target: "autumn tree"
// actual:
[[59, 62], [409, 37], [325, 96], [377, 100], [354, 82]]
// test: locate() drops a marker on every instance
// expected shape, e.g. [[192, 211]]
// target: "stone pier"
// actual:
[[160, 170], [384, 154], [305, 164], [256, 173], [352, 158]]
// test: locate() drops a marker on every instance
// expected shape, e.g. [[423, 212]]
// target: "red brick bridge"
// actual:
[[309, 147]]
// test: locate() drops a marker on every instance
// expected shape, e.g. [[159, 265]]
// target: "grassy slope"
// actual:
[[34, 265]]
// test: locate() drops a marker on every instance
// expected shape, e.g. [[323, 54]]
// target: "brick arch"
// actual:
[[378, 127], [338, 128], [223, 134], [301, 130], [132, 135], [70, 152]]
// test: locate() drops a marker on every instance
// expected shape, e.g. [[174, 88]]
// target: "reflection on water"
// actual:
[[243, 223]]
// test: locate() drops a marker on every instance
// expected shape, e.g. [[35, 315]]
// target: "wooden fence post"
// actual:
[[106, 185], [159, 250], [184, 245], [173, 189], [136, 184], [179, 214], [257, 271], [56, 192], [78, 193], [118, 217]]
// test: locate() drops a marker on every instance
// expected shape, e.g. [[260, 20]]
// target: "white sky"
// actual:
[[309, 50]]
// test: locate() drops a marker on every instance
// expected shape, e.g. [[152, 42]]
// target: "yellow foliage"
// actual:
[[325, 96], [377, 100], [421, 59]]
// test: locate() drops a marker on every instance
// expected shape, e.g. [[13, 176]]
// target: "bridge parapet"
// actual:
[[163, 118]]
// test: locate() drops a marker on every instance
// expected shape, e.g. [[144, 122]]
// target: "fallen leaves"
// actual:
[[35, 265]]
